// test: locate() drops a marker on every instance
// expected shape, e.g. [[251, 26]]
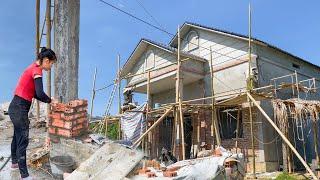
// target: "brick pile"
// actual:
[[69, 119]]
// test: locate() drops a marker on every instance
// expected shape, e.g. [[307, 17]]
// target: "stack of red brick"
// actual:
[[69, 119]]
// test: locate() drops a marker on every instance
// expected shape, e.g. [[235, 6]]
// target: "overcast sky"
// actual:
[[104, 32]]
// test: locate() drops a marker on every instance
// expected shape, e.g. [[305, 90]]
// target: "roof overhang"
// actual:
[[141, 48]]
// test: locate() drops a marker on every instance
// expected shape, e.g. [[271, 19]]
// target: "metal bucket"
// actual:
[[61, 164]]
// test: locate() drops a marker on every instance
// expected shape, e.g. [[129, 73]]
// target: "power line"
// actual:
[[158, 28], [147, 12], [135, 17]]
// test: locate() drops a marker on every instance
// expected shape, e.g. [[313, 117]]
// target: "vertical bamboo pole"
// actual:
[[119, 97], [250, 86], [48, 36], [250, 83], [37, 45], [93, 93], [315, 140], [148, 108], [106, 131], [214, 123], [176, 110], [180, 97], [238, 127], [119, 85], [252, 140]]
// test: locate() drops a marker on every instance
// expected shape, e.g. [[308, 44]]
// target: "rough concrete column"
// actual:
[[66, 46]]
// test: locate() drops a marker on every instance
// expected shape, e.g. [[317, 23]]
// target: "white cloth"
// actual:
[[133, 123]]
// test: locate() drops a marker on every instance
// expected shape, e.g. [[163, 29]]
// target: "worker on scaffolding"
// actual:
[[29, 86]]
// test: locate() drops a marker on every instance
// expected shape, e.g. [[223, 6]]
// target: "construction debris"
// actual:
[[222, 164]]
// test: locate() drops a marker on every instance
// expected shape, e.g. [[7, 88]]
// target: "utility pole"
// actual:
[[66, 46]]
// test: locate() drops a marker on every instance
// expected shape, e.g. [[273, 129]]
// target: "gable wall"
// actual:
[[162, 59]]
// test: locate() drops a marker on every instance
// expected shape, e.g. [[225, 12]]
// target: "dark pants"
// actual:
[[18, 112]]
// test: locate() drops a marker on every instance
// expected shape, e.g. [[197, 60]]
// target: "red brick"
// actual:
[[68, 125], [169, 173], [57, 123], [77, 103], [81, 120], [64, 132], [59, 107], [143, 171], [55, 115], [68, 117], [77, 127], [69, 110], [52, 130], [151, 174]]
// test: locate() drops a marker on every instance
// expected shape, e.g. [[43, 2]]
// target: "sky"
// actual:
[[293, 26]]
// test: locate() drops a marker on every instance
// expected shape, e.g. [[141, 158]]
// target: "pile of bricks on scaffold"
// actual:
[[68, 120]]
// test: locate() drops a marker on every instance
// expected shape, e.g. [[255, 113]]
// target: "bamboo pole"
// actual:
[[252, 140], [148, 108], [119, 96], [37, 45], [238, 126], [284, 138], [180, 96], [250, 87], [93, 93], [119, 86], [315, 141], [250, 83], [214, 123], [152, 127], [174, 132], [48, 36]]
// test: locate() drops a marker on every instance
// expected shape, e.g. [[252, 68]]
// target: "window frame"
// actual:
[[189, 40]]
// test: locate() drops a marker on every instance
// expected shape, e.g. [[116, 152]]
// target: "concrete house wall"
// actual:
[[229, 78], [272, 64]]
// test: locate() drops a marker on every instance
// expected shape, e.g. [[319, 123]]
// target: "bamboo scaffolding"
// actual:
[[214, 123], [282, 136], [48, 44], [93, 92], [152, 127], [179, 87], [238, 129], [148, 108], [119, 96]]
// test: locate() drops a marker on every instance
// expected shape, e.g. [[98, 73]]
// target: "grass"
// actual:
[[285, 176], [113, 130]]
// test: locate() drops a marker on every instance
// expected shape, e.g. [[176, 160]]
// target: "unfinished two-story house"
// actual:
[[230, 67]]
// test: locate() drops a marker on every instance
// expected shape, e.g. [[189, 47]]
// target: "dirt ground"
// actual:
[[36, 140]]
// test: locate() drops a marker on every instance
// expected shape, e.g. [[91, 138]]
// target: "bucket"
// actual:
[[61, 164]]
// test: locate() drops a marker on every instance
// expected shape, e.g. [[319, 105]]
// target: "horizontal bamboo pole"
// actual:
[[284, 138]]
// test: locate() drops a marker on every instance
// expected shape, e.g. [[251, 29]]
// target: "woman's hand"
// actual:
[[53, 101]]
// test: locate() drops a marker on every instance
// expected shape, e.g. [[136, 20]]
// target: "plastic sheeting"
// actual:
[[205, 168], [133, 123]]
